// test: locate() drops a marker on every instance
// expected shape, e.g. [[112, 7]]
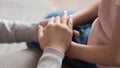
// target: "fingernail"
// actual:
[[58, 17], [65, 12], [53, 17], [70, 16]]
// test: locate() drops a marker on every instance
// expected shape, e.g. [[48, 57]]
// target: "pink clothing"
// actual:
[[101, 32]]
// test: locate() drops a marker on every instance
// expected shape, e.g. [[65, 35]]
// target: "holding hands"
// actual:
[[57, 33]]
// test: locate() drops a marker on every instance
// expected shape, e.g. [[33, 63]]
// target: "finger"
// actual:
[[76, 33], [57, 20], [70, 22], [40, 31], [74, 44], [51, 20], [64, 18]]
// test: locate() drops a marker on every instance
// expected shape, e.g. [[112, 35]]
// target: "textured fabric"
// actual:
[[84, 32], [50, 58], [101, 31], [17, 31], [27, 58]]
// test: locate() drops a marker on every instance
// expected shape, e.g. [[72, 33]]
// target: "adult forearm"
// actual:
[[17, 31], [86, 15], [51, 58]]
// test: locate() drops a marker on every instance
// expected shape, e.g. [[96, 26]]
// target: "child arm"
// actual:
[[86, 15], [100, 54]]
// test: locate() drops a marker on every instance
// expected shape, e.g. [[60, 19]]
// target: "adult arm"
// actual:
[[17, 31], [51, 58], [55, 47]]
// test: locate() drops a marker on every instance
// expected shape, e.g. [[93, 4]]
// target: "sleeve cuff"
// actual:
[[51, 58], [54, 52]]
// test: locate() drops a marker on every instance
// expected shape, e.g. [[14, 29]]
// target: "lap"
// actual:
[[82, 39], [27, 58]]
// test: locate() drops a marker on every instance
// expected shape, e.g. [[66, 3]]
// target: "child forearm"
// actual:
[[98, 54], [86, 15]]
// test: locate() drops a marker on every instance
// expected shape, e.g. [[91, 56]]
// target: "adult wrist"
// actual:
[[53, 51], [57, 48]]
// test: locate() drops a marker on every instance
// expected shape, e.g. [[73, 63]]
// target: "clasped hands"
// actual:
[[57, 33]]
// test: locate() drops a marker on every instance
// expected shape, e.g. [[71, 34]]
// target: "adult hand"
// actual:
[[57, 34], [45, 22]]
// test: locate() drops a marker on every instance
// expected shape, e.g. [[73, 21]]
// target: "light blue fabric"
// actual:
[[82, 39]]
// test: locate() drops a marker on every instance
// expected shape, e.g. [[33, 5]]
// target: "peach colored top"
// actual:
[[102, 27]]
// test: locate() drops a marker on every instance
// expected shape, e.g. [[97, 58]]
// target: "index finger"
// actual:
[[70, 22]]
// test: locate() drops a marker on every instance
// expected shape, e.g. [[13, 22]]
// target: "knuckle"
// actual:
[[64, 28], [64, 19], [50, 24], [70, 31], [57, 26]]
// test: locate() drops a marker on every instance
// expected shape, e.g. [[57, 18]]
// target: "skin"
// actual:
[[81, 17], [45, 22], [57, 34], [86, 15], [104, 54], [93, 53]]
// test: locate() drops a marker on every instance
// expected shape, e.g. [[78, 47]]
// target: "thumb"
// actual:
[[76, 33], [40, 31], [74, 44]]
